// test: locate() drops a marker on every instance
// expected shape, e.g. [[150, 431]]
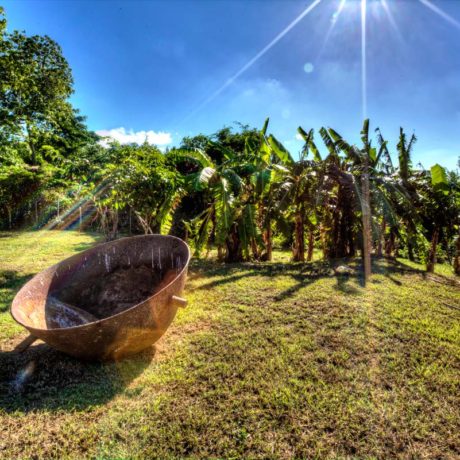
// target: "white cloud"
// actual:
[[259, 98], [122, 136], [299, 137]]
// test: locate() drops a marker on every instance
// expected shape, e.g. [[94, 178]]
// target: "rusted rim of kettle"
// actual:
[[102, 320]]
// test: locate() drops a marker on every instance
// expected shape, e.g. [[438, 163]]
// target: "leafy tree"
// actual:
[[35, 82], [439, 210], [237, 184], [138, 178], [299, 192]]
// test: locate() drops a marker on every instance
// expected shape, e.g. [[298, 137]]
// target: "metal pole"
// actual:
[[366, 210]]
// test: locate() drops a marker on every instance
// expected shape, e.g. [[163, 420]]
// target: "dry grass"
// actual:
[[267, 361]]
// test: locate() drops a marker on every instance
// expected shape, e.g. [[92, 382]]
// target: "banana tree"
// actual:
[[363, 170], [241, 197], [139, 180], [340, 195], [405, 173], [297, 186], [440, 211], [223, 185]]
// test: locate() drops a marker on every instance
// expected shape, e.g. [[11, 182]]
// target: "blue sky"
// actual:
[[167, 68]]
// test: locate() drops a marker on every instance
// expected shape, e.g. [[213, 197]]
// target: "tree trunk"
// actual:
[[311, 241], [144, 224], [268, 241], [31, 145], [234, 250], [113, 232], [366, 210], [410, 250], [457, 257], [299, 239], [390, 244], [322, 238], [220, 253], [410, 245], [432, 254], [381, 239], [255, 249], [10, 218]]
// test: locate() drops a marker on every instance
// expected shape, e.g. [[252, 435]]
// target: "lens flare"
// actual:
[[74, 217]]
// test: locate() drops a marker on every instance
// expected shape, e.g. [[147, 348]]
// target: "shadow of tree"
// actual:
[[303, 273], [10, 283], [44, 379], [78, 247], [344, 286]]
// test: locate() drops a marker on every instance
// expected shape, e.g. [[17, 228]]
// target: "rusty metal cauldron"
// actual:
[[62, 304]]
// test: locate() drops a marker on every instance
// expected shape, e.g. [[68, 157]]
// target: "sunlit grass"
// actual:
[[440, 269], [22, 254], [268, 360]]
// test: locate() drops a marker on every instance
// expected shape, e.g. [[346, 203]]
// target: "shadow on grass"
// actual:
[[44, 379], [10, 283], [304, 273], [98, 239]]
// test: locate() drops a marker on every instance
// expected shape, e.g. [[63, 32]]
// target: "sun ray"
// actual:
[[363, 58], [391, 20], [73, 217], [251, 62], [441, 13], [331, 28]]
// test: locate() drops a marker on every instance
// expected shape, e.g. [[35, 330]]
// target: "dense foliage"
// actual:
[[238, 190]]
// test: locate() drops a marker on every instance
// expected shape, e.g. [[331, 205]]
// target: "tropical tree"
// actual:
[[239, 187], [297, 184], [405, 172], [35, 82], [363, 172], [224, 187], [439, 210], [138, 179]]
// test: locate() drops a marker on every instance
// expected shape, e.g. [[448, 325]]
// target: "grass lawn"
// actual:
[[272, 360]]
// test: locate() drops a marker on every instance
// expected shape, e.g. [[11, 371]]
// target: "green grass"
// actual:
[[274, 360], [440, 269]]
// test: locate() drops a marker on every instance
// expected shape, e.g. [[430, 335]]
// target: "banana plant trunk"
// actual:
[[366, 211], [299, 241], [457, 257], [432, 254], [410, 243], [381, 238], [311, 241], [269, 241], [233, 243], [220, 253]]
